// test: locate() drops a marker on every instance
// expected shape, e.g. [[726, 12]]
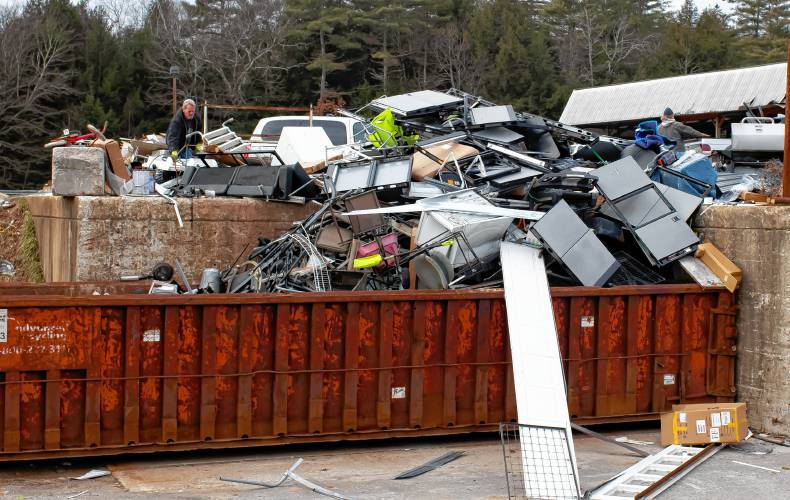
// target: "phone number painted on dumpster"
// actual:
[[30, 342]]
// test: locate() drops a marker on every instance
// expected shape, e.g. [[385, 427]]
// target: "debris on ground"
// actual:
[[777, 440], [627, 440], [430, 465], [290, 474], [655, 473], [756, 466], [621, 441], [92, 474]]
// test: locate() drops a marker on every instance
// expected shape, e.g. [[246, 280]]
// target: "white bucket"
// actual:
[[143, 182]]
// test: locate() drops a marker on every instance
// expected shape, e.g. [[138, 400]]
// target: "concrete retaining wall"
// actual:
[[757, 238], [88, 238]]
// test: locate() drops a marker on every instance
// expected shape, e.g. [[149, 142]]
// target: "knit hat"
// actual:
[[668, 112]]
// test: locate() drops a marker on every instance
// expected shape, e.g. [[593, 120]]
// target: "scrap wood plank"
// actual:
[[756, 197], [765, 199], [724, 268], [541, 399]]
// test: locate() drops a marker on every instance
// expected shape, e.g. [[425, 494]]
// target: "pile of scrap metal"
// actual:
[[449, 176], [453, 140], [148, 167]]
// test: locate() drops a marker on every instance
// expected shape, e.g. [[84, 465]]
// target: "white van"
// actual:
[[341, 130]]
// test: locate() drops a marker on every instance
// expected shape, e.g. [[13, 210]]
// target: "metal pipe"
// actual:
[[293, 475], [257, 108], [585, 430]]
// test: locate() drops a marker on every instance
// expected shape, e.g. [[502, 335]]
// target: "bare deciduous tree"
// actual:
[[173, 37], [222, 56], [124, 14], [36, 51], [621, 42], [455, 61]]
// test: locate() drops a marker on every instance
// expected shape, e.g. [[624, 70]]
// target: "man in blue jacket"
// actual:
[[183, 123]]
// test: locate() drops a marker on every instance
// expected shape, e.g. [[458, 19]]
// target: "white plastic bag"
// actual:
[[747, 184]]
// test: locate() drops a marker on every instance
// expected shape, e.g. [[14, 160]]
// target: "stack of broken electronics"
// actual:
[[446, 178]]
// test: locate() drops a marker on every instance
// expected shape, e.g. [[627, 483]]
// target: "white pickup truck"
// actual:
[[340, 130]]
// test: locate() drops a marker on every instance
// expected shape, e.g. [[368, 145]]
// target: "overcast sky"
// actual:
[[702, 4]]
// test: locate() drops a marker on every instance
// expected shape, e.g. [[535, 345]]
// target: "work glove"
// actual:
[[199, 147], [174, 154]]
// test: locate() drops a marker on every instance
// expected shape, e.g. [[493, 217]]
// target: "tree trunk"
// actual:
[[425, 65], [385, 62], [322, 86], [588, 26]]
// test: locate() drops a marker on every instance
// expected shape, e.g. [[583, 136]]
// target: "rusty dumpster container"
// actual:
[[107, 374]]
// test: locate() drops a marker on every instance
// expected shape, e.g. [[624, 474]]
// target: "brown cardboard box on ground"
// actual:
[[704, 423]]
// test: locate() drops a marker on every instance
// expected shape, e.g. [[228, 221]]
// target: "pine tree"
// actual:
[[694, 42], [386, 25], [750, 16], [763, 28], [321, 27], [520, 64], [604, 40]]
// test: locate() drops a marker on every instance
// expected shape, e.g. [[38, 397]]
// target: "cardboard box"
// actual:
[[728, 273], [117, 164], [115, 161], [704, 423], [423, 166]]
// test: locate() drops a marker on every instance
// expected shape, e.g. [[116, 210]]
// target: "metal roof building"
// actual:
[[700, 96]]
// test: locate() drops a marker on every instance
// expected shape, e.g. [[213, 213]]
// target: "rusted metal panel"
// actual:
[[119, 373]]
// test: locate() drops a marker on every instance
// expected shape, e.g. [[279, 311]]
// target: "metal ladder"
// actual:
[[652, 475]]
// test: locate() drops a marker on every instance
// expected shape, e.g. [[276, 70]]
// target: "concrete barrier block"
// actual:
[[78, 171]]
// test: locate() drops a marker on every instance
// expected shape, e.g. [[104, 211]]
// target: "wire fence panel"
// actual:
[[538, 462]]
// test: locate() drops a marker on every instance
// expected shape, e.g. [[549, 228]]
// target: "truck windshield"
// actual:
[[335, 130]]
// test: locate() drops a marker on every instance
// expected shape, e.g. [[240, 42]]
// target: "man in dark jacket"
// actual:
[[184, 123], [677, 131]]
